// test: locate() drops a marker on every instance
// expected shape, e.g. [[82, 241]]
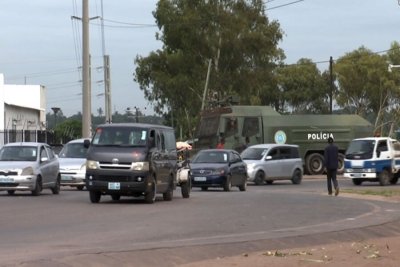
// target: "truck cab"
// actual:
[[374, 159]]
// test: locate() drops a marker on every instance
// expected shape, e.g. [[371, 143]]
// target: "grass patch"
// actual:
[[384, 193]]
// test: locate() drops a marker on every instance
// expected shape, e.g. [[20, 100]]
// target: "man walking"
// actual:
[[222, 144], [331, 158]]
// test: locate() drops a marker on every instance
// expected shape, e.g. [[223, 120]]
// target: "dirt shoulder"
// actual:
[[356, 253]]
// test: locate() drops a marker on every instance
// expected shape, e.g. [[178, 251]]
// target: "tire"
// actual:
[[56, 189], [150, 197], [357, 181], [169, 194], [185, 189], [80, 188], [228, 184], [115, 197], [204, 188], [11, 192], [340, 169], [38, 186], [315, 164], [384, 178], [270, 181], [296, 178], [394, 180], [243, 187], [94, 196], [260, 178]]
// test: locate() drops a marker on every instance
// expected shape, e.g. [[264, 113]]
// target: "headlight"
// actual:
[[140, 166], [83, 167], [91, 165], [27, 171], [219, 171], [250, 166]]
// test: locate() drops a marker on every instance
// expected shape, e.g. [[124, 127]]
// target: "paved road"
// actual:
[[67, 230]]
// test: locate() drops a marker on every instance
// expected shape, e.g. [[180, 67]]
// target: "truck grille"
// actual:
[[119, 166]]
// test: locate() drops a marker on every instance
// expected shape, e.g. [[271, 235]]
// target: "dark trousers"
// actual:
[[331, 175]]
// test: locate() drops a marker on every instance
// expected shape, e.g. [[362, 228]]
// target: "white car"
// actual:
[[28, 166], [72, 160], [270, 162]]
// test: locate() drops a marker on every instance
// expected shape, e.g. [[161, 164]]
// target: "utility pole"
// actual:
[[331, 84], [107, 83], [86, 98]]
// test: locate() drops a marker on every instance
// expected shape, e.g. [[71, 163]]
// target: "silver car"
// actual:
[[269, 162], [72, 160], [28, 166]]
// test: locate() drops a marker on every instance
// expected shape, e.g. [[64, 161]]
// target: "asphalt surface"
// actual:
[[68, 230]]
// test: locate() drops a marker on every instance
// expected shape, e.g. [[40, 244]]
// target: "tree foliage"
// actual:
[[237, 38]]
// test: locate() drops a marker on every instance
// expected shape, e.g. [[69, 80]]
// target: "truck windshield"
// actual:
[[253, 153], [360, 149], [122, 136]]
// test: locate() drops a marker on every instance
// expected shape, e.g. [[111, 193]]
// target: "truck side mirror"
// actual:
[[86, 143], [378, 153]]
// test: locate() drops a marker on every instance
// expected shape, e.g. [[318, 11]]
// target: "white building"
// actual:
[[23, 106]]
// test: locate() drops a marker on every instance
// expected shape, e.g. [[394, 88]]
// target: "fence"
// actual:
[[49, 137]]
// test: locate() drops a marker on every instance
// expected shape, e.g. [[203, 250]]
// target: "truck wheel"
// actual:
[[340, 169], [384, 178], [260, 178], [94, 196], [185, 189], [315, 164], [296, 178], [394, 180], [169, 194], [357, 181], [150, 197]]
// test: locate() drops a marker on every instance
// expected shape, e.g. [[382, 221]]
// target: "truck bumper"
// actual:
[[358, 175]]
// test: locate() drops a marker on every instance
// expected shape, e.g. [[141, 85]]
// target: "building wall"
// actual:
[[23, 106], [21, 118]]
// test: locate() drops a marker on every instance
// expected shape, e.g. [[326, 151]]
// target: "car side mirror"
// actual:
[[86, 143], [268, 158], [44, 159]]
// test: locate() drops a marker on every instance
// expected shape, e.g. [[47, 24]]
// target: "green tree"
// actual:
[[304, 89], [69, 129], [236, 36], [365, 83]]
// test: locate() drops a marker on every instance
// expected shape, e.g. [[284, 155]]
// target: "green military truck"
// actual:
[[262, 124]]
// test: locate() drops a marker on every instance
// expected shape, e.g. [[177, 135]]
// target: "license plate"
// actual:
[[357, 175], [66, 178], [114, 186], [6, 180], [200, 179]]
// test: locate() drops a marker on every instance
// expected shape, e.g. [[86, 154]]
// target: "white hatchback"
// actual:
[[72, 160], [270, 162]]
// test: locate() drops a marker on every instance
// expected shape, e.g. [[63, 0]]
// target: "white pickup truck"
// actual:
[[374, 159]]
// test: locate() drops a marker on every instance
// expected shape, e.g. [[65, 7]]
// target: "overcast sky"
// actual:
[[40, 44]]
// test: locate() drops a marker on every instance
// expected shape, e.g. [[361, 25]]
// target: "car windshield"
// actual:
[[120, 136], [73, 150], [18, 153], [253, 153], [211, 157], [360, 147]]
